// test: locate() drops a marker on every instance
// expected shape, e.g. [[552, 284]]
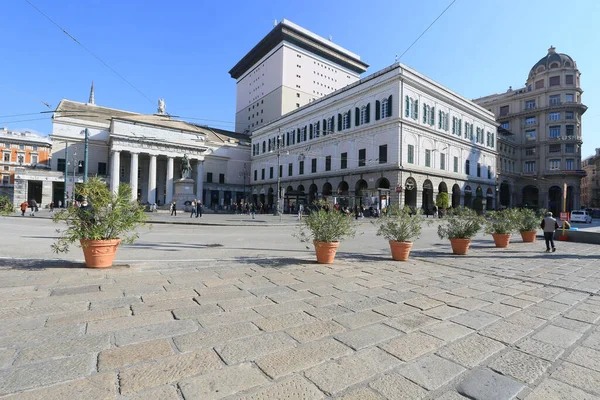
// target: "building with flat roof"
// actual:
[[288, 68], [544, 119]]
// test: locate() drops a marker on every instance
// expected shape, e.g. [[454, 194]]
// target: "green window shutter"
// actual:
[[424, 113], [416, 110], [339, 122], [432, 117], [332, 124], [439, 119], [368, 117], [460, 127], [378, 109], [406, 107], [454, 125], [356, 116], [349, 118], [493, 143], [389, 109], [318, 131]]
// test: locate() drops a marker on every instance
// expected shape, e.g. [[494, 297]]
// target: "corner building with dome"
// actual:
[[540, 136]]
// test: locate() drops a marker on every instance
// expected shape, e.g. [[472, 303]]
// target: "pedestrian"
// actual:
[[51, 206], [173, 209], [24, 206], [549, 225], [60, 204], [193, 208], [33, 207], [198, 209], [300, 212], [356, 212], [253, 210]]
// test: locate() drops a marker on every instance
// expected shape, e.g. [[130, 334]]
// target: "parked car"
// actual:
[[581, 216]]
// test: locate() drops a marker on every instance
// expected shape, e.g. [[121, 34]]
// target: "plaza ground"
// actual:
[[238, 309]]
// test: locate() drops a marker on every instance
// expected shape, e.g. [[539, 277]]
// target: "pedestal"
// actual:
[[184, 192]]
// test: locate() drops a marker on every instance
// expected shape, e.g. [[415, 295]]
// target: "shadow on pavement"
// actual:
[[39, 265]]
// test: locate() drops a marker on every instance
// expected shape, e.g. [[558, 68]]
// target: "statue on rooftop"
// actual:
[[161, 106]]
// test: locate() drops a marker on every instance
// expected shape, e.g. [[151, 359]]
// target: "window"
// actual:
[[442, 161], [554, 148], [301, 168], [569, 164], [383, 154], [554, 80], [329, 126], [328, 163], [290, 169], [270, 173], [34, 159], [313, 166], [569, 148], [34, 147], [262, 174], [344, 161], [411, 154], [489, 170], [555, 99], [5, 179], [21, 147], [478, 170], [468, 167], [568, 98], [569, 79], [407, 105], [455, 164], [539, 84], [255, 175], [428, 158], [59, 167], [554, 116], [530, 121], [384, 108], [529, 166], [209, 177], [554, 164], [530, 151], [555, 131], [530, 134], [529, 105], [570, 130], [415, 110], [222, 178], [346, 121], [505, 125], [503, 111], [568, 114], [362, 157], [101, 168]]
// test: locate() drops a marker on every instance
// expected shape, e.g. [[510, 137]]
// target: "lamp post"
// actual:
[[66, 193], [85, 156], [243, 175]]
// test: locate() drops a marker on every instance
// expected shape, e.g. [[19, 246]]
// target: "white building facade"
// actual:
[[288, 69], [393, 137]]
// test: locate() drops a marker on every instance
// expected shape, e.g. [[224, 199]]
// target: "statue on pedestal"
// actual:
[[161, 107], [186, 167]]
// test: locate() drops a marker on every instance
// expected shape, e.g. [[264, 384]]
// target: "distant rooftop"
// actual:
[[303, 38], [26, 136]]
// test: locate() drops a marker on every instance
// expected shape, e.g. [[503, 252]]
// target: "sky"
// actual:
[[182, 50]]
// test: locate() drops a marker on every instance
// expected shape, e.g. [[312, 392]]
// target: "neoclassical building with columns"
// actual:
[[145, 151]]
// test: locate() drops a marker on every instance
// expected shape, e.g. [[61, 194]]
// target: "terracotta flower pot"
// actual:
[[400, 250], [528, 236], [501, 239], [460, 246], [99, 253], [325, 251]]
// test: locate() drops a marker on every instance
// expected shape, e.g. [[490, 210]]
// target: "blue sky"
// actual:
[[182, 50]]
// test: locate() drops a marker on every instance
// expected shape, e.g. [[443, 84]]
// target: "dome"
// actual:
[[552, 60]]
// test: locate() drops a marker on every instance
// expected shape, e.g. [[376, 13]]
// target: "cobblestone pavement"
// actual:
[[496, 324]]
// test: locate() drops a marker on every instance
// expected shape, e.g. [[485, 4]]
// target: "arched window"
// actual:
[[329, 126], [407, 105], [346, 121], [363, 115], [264, 147], [432, 116], [315, 129], [384, 108], [416, 110]]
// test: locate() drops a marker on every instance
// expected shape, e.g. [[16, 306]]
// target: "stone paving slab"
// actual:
[[490, 325]]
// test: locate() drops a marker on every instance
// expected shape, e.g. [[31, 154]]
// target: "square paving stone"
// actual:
[[469, 304], [395, 310], [570, 298], [423, 303], [500, 309], [557, 336], [395, 386], [329, 312], [593, 340], [367, 336], [318, 330], [362, 394], [571, 324], [412, 345], [551, 389], [583, 315], [476, 319], [248, 349], [410, 322], [505, 332], [543, 350], [525, 320], [483, 384], [444, 312], [294, 387], [471, 351], [584, 378], [431, 372], [585, 357], [521, 366], [447, 331], [451, 396], [358, 319]]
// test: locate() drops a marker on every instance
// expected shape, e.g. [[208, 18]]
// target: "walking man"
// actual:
[[193, 208], [549, 225], [173, 208], [198, 209], [300, 211]]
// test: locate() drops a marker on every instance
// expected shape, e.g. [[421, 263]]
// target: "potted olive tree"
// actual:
[[325, 229], [104, 220], [442, 201], [528, 224], [501, 225], [460, 227], [400, 227]]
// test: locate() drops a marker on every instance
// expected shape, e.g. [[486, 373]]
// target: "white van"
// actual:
[[581, 216]]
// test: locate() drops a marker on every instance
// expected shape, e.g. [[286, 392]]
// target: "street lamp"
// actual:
[[243, 175]]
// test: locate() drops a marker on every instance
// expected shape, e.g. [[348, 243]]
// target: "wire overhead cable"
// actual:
[[89, 51]]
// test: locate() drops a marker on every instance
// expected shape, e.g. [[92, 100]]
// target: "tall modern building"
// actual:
[[289, 68], [541, 133]]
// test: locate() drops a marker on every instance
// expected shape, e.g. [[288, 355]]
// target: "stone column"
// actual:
[[199, 178], [152, 179], [115, 173], [133, 176], [169, 182]]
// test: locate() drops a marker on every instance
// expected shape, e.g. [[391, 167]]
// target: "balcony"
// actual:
[[578, 172]]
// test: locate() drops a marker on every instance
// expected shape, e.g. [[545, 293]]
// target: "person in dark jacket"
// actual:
[[198, 209], [549, 225], [173, 208]]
